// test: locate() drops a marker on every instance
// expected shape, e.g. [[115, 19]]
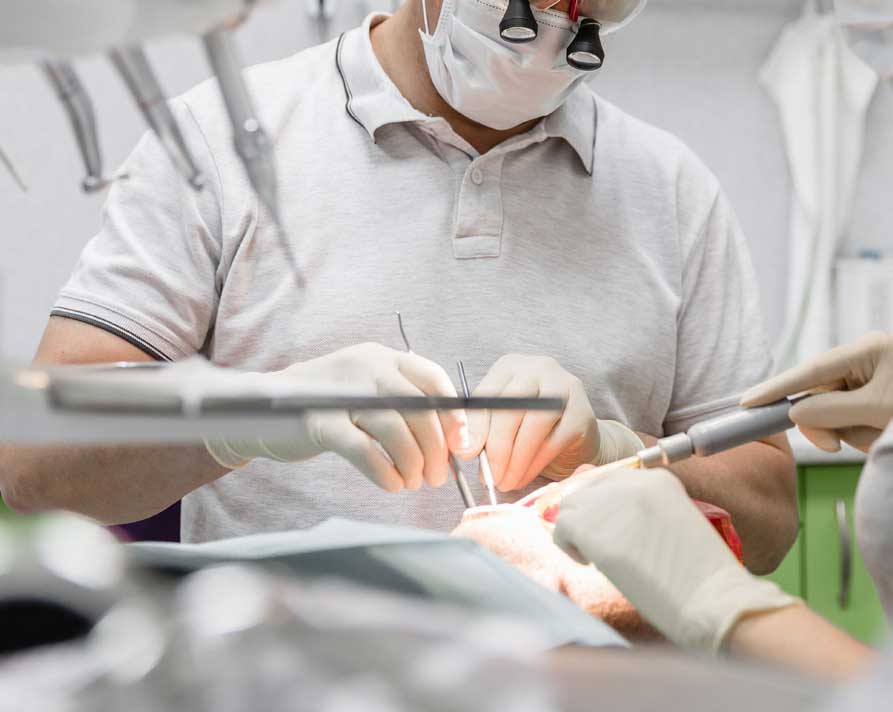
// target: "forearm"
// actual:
[[797, 637], [757, 485], [110, 484]]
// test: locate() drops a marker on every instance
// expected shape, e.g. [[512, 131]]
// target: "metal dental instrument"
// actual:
[[7, 161], [482, 458], [83, 120], [251, 142], [709, 437], [134, 68], [719, 434], [461, 483]]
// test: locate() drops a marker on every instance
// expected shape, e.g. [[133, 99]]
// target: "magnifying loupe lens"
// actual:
[[586, 52], [518, 24]]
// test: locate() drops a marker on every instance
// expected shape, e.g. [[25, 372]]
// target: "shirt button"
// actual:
[[477, 177]]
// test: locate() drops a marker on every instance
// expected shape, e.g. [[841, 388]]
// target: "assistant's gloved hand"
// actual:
[[416, 443], [858, 404], [642, 531], [522, 445]]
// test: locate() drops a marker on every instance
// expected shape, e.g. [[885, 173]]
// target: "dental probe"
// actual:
[[719, 434], [482, 458], [461, 483]]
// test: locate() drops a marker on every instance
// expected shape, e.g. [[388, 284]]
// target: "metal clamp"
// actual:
[[846, 555]]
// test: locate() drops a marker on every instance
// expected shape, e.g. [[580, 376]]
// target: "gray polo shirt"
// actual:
[[593, 238]]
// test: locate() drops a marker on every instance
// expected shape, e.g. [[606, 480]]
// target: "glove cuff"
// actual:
[[616, 442], [721, 601], [224, 454]]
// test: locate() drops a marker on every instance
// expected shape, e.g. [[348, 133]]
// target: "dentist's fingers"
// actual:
[[341, 436], [432, 380], [504, 426], [571, 431], [389, 429], [426, 429], [492, 385], [535, 428]]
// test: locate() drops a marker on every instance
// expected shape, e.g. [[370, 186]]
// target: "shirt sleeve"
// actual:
[[150, 275], [722, 347]]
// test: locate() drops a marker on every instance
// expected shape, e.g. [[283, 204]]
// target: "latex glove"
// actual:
[[394, 450], [642, 531], [858, 403], [522, 445], [874, 517]]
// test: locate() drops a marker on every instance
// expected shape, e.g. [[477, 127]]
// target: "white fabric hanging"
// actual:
[[822, 91]]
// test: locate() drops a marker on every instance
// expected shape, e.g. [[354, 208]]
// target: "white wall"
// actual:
[[687, 65]]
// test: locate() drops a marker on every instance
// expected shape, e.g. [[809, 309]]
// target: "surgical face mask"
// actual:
[[868, 25], [489, 81]]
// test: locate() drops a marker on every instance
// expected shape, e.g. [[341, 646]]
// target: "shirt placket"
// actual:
[[479, 207]]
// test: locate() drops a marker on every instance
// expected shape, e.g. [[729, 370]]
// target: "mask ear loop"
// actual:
[[425, 17]]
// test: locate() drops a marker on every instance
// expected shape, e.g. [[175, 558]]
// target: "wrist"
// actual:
[[721, 603], [225, 454], [226, 451], [616, 442]]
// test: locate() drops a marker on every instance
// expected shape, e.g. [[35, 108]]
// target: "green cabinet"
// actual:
[[837, 583], [824, 566]]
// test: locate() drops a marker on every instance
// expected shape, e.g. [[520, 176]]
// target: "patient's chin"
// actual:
[[520, 537]]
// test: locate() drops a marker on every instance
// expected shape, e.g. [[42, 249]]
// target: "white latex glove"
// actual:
[[858, 403], [642, 531], [416, 443], [874, 517], [522, 445]]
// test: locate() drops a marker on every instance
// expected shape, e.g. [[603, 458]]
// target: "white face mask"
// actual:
[[868, 25], [489, 81]]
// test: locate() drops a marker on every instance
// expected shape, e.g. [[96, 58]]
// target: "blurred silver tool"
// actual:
[[134, 68], [461, 483], [482, 458], [7, 161], [322, 11], [83, 120], [251, 142]]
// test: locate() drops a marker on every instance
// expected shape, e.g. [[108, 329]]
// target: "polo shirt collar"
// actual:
[[372, 98], [374, 101], [576, 121]]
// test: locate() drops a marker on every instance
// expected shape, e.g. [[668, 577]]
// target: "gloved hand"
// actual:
[[874, 523], [416, 443], [858, 403], [522, 445], [642, 531]]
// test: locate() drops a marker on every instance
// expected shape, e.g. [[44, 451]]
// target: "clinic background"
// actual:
[[688, 66]]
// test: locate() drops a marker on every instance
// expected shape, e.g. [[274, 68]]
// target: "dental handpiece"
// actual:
[[82, 118], [252, 144], [134, 68], [719, 434], [703, 439]]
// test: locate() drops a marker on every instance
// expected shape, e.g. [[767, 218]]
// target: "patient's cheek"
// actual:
[[521, 538], [517, 536]]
